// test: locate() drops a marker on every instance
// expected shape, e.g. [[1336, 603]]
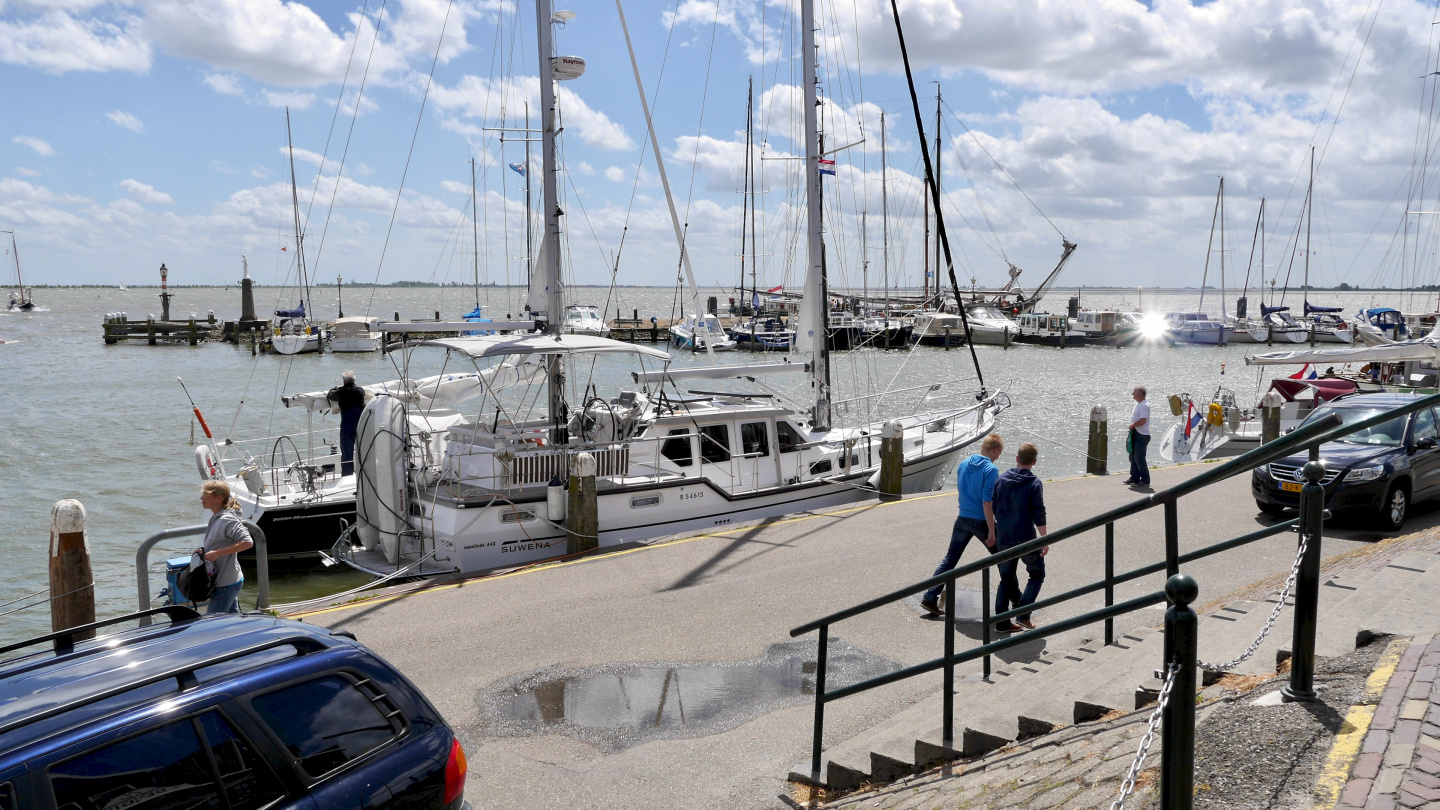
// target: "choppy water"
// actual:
[[110, 426]]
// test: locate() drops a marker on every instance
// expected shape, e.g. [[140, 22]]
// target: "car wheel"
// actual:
[[1392, 511], [1272, 509]]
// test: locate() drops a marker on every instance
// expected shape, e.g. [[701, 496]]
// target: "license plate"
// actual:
[[1290, 487]]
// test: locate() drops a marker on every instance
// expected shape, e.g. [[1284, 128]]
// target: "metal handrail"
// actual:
[[142, 563]]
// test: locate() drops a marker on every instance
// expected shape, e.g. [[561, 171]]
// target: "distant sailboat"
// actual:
[[122, 286], [20, 299]]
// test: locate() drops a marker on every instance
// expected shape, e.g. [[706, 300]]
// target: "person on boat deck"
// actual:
[[1139, 439], [1019, 505], [225, 538], [976, 481], [350, 400]]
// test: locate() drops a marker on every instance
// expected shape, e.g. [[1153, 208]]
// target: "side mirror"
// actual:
[[1426, 443]]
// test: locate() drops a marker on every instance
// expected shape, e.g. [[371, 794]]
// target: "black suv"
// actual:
[[1380, 470], [218, 713]]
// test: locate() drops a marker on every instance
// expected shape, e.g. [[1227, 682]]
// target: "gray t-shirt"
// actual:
[[225, 530]]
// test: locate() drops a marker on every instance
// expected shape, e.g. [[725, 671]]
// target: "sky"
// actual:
[[146, 131]]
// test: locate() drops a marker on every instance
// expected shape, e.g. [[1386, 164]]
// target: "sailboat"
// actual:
[[666, 458], [294, 331], [20, 299], [764, 332], [1199, 327]]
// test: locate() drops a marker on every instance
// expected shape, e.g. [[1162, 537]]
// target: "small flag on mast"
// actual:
[[519, 168], [827, 167]]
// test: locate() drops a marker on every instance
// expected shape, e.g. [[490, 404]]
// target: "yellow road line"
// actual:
[[1336, 771], [552, 566]]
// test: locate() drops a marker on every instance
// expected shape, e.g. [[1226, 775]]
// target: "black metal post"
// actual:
[[1177, 732], [824, 645], [984, 614], [948, 737], [1307, 588], [1172, 538], [1109, 580]]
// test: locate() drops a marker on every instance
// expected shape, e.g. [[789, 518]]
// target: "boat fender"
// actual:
[[1232, 419], [1215, 414], [556, 500], [1176, 408], [381, 512], [206, 464]]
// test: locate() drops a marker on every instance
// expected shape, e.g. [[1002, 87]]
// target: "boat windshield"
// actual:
[[1389, 434], [984, 312]]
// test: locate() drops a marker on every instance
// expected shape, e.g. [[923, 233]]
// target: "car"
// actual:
[[222, 712], [1382, 470]]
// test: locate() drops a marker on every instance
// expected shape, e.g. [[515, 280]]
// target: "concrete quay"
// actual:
[[690, 607]]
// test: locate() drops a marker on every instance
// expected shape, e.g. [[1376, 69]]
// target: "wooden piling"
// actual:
[[72, 584], [1270, 416], [150, 328], [1097, 452], [194, 337], [947, 338], [582, 517], [892, 460]]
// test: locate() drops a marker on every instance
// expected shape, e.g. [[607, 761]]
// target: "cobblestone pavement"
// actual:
[[1398, 762]]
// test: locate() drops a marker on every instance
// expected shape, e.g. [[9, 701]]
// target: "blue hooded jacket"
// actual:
[[976, 479], [1019, 505]]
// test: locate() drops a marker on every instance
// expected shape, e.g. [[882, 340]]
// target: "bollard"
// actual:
[[1177, 733], [397, 317], [193, 339], [892, 460], [582, 518], [1270, 416], [1098, 451], [150, 327], [1307, 588], [72, 584]]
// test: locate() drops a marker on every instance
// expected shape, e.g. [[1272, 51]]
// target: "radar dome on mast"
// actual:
[[567, 67]]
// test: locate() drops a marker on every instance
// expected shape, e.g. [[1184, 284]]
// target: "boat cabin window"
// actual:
[[754, 439], [788, 439], [715, 443], [677, 448]]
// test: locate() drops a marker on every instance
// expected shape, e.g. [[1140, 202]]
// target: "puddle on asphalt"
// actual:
[[621, 705]]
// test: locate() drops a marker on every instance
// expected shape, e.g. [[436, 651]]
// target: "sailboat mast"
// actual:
[[1223, 292], [885, 207], [475, 229], [1210, 244], [754, 239], [745, 188], [818, 307], [938, 191], [529, 207], [1309, 214], [299, 232], [15, 251], [550, 247]]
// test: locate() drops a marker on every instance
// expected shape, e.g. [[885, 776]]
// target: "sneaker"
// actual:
[[1028, 624], [1128, 481], [1008, 627], [930, 606]]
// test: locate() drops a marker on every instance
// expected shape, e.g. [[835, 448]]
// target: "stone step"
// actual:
[[1068, 702], [1341, 620], [1412, 608]]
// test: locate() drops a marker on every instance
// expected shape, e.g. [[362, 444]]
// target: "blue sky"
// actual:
[[152, 131]]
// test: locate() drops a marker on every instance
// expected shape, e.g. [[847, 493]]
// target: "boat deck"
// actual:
[[375, 564]]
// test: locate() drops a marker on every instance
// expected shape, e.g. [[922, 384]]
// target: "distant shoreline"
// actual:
[[403, 285]]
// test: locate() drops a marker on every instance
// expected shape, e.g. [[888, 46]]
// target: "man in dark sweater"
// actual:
[[1019, 506], [349, 400]]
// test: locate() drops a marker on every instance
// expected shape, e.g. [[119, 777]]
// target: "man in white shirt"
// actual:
[[1139, 439]]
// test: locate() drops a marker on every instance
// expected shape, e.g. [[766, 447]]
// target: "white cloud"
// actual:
[[34, 143], [455, 188], [281, 43], [224, 83], [475, 97], [297, 100], [585, 168], [614, 174], [126, 120], [145, 192], [56, 42], [24, 172]]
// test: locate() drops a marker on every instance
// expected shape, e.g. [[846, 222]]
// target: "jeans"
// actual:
[[349, 420], [225, 599], [1008, 595], [1139, 471], [965, 528]]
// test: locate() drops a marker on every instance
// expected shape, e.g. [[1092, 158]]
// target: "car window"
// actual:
[[754, 438], [163, 768], [715, 443], [249, 784], [324, 723], [786, 437], [1389, 433], [1425, 425], [677, 449], [7, 796]]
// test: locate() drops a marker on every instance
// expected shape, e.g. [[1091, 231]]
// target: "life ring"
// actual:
[[207, 465]]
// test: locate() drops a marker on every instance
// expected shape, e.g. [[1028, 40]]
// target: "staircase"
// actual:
[[1397, 596]]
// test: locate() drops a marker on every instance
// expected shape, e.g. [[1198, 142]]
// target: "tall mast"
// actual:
[[299, 231], [754, 241], [1309, 213], [745, 188], [475, 230], [1210, 243], [818, 309], [1222, 249], [938, 192], [864, 254], [15, 251], [550, 247], [529, 205], [885, 210], [926, 251]]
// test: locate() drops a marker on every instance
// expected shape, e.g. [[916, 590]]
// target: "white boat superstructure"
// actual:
[[989, 326], [1194, 327], [584, 319], [694, 332], [356, 334]]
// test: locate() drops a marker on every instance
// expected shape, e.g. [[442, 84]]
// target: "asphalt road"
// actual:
[[726, 598]]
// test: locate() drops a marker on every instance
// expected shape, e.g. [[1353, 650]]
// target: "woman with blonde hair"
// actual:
[[225, 538]]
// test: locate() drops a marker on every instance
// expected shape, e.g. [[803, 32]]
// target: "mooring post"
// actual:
[[1270, 416], [892, 460], [947, 338], [1098, 452], [150, 329], [1109, 580], [1307, 588], [582, 519], [194, 338], [1177, 733], [72, 584]]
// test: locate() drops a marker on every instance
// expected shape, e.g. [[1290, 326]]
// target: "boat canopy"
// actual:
[[539, 343], [355, 326], [1311, 308], [1321, 390], [1264, 310], [474, 314], [1423, 349], [440, 391], [298, 312]]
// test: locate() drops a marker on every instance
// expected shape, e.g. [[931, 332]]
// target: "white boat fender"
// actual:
[[556, 500], [206, 464], [380, 503]]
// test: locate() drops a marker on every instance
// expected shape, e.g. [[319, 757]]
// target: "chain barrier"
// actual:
[[1127, 785], [1270, 622]]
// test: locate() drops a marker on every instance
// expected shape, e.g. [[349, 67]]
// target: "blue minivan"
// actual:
[[225, 712]]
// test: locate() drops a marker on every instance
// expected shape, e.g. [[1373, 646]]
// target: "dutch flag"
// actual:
[[827, 167], [1305, 373]]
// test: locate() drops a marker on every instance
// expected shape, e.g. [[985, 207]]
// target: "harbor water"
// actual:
[[110, 425]]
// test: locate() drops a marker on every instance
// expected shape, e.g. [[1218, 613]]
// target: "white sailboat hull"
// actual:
[[295, 344]]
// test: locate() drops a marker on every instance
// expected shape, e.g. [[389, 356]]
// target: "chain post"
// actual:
[[824, 645], [1177, 733], [1172, 537], [1307, 587], [985, 616], [1109, 580], [948, 736]]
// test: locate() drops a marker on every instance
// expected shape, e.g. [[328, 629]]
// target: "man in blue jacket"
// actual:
[[976, 480], [1019, 506]]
